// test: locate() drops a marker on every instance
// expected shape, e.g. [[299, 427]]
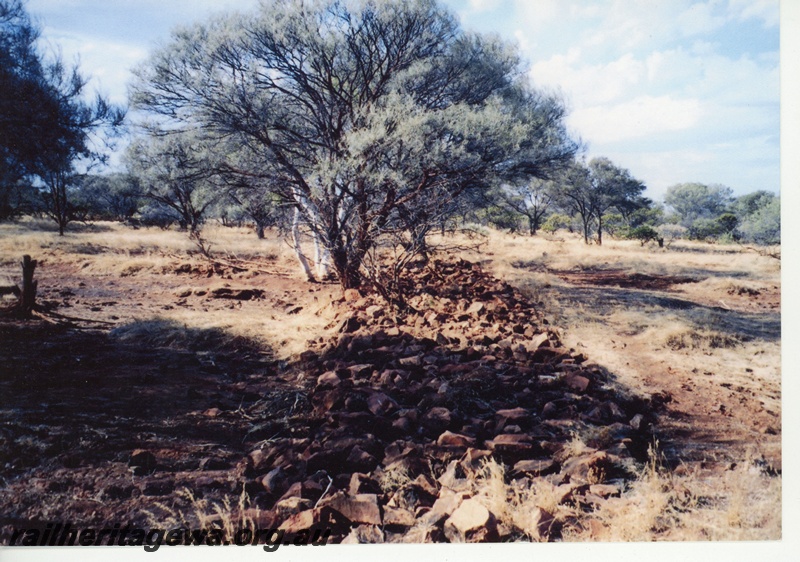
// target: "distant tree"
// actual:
[[745, 205], [764, 225], [361, 113], [532, 200], [573, 192], [115, 196], [592, 192], [692, 201], [612, 187], [178, 173]]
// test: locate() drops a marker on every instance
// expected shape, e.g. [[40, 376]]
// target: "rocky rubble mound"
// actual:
[[406, 407]]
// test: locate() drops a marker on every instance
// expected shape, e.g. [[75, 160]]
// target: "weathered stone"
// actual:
[[351, 295], [358, 459], [588, 467], [550, 410], [475, 308], [328, 380], [442, 508], [349, 325], [604, 490], [471, 522], [290, 506], [362, 508], [541, 524], [536, 467], [375, 311], [449, 439], [142, 461], [577, 382], [511, 443], [537, 341], [364, 534], [436, 420], [322, 518], [363, 484], [274, 481], [380, 404], [398, 516], [516, 416]]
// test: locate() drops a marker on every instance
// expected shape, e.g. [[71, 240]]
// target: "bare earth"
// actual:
[[169, 369]]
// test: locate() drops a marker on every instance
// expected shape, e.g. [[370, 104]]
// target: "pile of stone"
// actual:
[[405, 408]]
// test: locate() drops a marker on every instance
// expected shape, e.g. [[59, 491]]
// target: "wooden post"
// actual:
[[29, 285]]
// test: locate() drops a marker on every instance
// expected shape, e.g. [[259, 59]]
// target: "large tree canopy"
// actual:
[[358, 113], [46, 125]]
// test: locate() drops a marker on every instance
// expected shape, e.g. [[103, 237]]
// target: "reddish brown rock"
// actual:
[[577, 382], [380, 404], [328, 380], [362, 508], [397, 516], [471, 522], [536, 467], [449, 439], [541, 524]]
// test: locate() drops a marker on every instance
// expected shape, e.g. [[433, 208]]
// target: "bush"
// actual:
[[555, 222], [645, 234]]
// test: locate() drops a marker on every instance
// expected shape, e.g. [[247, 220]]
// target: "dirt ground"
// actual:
[[80, 396]]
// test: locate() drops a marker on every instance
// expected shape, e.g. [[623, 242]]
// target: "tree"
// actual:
[[611, 188], [763, 226], [692, 201], [592, 191], [115, 196], [46, 126], [359, 115], [178, 172], [532, 200]]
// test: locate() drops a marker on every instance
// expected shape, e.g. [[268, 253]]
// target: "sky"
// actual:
[[673, 90]]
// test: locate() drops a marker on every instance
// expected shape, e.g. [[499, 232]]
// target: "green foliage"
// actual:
[[556, 222], [372, 119], [645, 234], [500, 217], [693, 201], [764, 225]]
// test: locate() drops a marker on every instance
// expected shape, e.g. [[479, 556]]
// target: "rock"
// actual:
[[577, 382], [328, 380], [291, 506], [449, 439], [637, 422], [473, 459], [541, 524], [361, 508], [364, 534], [349, 325], [159, 486], [361, 371], [537, 341], [275, 482], [351, 295], [550, 410], [536, 467], [471, 522], [380, 404], [588, 467], [436, 420], [511, 443], [442, 508], [363, 484], [397, 516], [142, 462], [475, 308], [375, 311], [516, 416], [359, 459], [604, 490], [321, 518]]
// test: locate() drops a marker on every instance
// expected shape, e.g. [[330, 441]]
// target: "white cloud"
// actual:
[[643, 116]]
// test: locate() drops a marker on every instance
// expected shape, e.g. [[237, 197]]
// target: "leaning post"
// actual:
[[29, 285]]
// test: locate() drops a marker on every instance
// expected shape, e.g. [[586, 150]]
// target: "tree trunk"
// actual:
[[296, 246], [599, 231], [322, 257]]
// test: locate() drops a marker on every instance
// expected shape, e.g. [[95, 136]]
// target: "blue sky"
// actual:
[[674, 90]]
